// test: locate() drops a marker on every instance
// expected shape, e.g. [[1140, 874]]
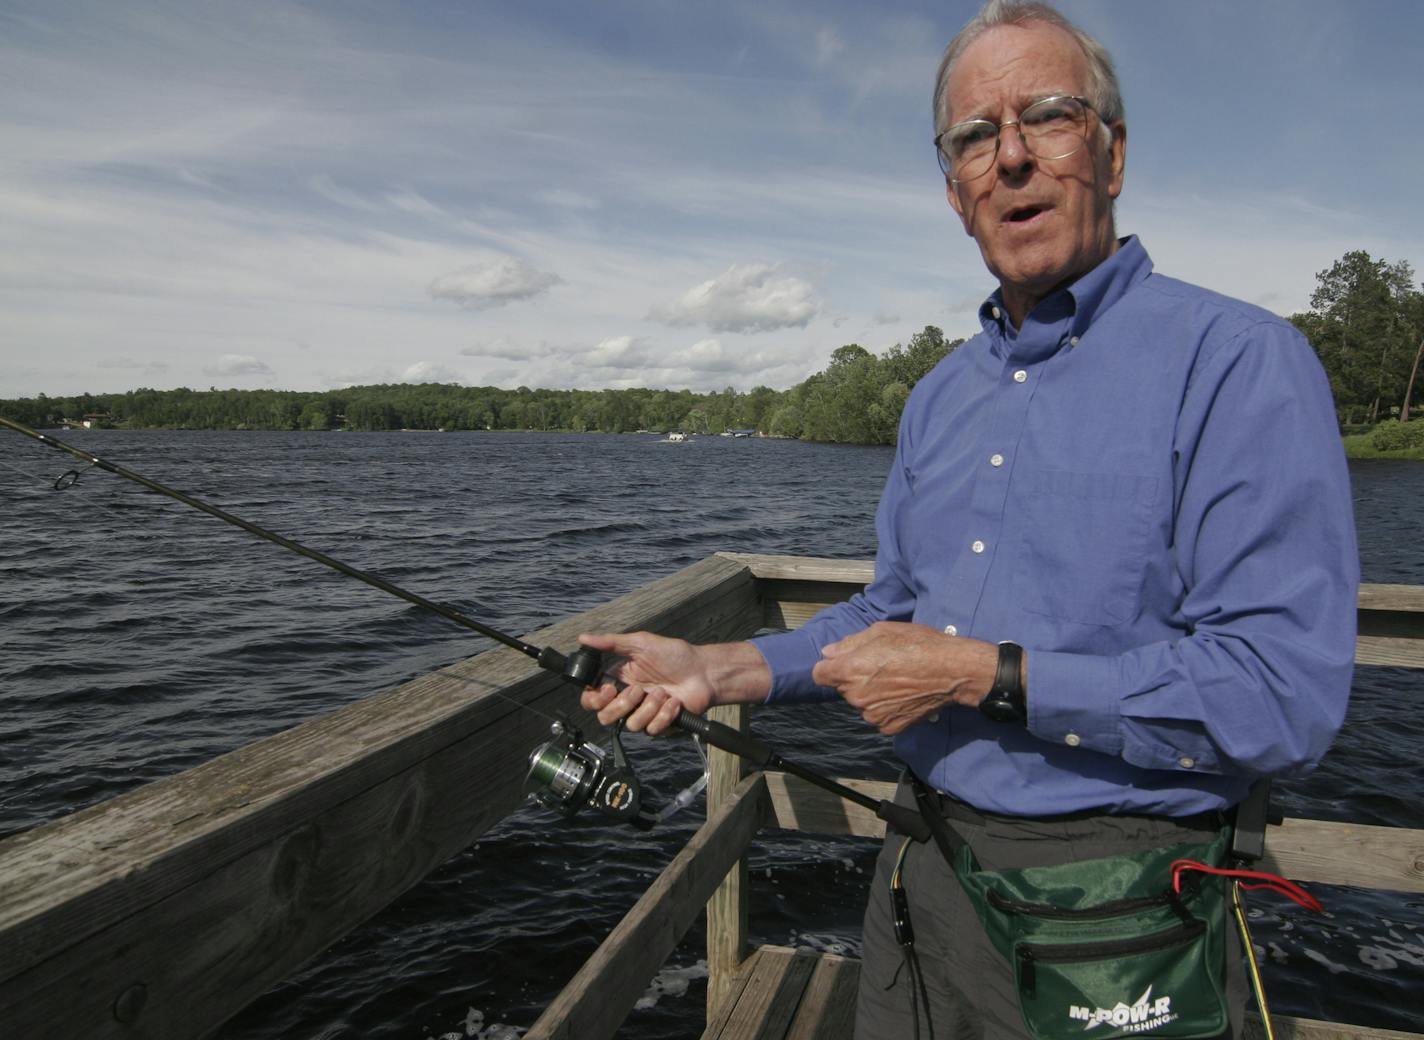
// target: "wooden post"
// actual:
[[727, 909]]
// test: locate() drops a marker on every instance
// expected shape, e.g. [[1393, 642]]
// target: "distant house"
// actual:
[[93, 419]]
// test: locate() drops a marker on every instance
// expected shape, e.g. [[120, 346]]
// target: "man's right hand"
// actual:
[[661, 676]]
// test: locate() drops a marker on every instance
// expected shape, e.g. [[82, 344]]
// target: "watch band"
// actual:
[[1005, 701]]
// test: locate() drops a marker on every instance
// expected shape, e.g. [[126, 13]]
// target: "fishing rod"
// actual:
[[567, 772]]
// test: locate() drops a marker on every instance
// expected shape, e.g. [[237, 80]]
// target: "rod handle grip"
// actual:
[[725, 737]]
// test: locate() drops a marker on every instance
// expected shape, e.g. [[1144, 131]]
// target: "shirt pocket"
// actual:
[[1083, 548]]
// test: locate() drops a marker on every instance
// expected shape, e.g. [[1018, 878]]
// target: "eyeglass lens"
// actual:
[[1053, 128]]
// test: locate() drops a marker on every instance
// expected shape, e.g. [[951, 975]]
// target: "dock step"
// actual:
[[782, 993]]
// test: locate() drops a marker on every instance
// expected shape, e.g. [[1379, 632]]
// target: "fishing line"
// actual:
[[71, 477], [567, 772], [67, 479]]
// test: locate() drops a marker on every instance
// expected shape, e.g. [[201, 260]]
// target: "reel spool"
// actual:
[[567, 773]]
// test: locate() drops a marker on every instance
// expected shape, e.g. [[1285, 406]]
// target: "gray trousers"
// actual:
[[968, 984]]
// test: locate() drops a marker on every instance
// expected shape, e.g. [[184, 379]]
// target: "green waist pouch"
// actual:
[[1106, 947]]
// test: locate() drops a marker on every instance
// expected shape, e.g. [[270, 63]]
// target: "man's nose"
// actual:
[[1014, 158]]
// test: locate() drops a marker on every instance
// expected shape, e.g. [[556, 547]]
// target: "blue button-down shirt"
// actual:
[[1144, 487]]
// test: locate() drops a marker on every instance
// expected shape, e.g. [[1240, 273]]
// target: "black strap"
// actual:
[[1249, 819], [948, 841]]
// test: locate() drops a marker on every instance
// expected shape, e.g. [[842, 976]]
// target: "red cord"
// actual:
[[1274, 882]]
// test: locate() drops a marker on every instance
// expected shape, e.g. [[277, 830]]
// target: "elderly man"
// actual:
[[1116, 572]]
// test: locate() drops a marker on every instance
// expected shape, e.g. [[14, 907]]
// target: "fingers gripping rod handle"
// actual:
[[757, 752]]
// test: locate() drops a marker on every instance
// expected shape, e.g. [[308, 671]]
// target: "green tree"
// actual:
[[1364, 322]]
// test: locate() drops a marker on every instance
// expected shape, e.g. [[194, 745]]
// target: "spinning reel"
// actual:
[[568, 772]]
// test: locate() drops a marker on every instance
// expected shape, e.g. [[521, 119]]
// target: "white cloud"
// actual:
[[619, 352], [429, 372], [500, 347], [744, 298], [238, 365], [829, 45], [413, 202], [328, 189], [128, 364], [493, 283]]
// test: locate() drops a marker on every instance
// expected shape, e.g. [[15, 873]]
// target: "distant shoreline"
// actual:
[[1357, 446]]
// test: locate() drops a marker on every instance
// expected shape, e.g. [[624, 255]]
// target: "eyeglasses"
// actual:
[[1053, 128]]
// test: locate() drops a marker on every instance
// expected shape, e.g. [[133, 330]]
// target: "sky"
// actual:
[[310, 195]]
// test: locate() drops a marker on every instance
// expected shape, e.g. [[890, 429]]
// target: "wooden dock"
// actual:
[[161, 913]]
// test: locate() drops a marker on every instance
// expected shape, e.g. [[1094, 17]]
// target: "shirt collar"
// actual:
[[1075, 307]]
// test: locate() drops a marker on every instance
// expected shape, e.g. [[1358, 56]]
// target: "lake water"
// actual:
[[139, 638]]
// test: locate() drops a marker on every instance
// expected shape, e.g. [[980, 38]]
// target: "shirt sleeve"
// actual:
[[1264, 544], [889, 597]]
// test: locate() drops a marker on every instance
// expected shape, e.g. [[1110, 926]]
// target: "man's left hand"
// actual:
[[896, 673]]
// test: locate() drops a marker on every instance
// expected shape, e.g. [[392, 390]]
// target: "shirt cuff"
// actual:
[[791, 656], [1075, 699]]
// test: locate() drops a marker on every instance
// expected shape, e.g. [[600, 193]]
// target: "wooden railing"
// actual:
[[793, 589], [162, 912]]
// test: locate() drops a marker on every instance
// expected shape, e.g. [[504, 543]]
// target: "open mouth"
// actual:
[[1022, 214]]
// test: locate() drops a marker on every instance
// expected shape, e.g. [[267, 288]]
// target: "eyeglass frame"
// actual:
[[999, 136]]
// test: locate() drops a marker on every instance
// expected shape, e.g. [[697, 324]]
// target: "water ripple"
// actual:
[[140, 639]]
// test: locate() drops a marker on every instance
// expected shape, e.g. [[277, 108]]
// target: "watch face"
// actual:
[[999, 708]]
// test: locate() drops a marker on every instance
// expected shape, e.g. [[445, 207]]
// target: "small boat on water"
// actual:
[[676, 437]]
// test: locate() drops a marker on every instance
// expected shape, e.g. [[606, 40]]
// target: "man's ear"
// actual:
[[1117, 159], [956, 204]]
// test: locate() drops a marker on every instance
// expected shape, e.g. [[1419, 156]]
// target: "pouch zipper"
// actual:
[[1030, 954]]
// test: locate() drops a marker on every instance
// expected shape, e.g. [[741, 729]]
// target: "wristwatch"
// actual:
[[1005, 701]]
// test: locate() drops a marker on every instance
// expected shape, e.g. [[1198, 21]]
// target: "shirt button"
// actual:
[[934, 716], [1186, 762], [950, 630], [1073, 342], [1072, 740], [996, 460], [995, 312], [1020, 376], [978, 547]]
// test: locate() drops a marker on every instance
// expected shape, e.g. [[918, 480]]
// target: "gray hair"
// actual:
[[1102, 87]]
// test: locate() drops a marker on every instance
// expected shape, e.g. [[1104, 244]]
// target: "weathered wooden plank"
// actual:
[[718, 1017], [727, 911], [806, 568], [1287, 1028], [1373, 597], [776, 979], [1389, 858], [783, 610], [1390, 597], [827, 1010], [794, 589], [172, 906], [797, 805], [593, 1005], [1391, 651]]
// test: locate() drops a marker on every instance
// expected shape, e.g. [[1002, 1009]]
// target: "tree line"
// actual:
[[1366, 322], [856, 399]]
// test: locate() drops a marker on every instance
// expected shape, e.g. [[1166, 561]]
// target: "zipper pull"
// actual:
[[1028, 974]]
